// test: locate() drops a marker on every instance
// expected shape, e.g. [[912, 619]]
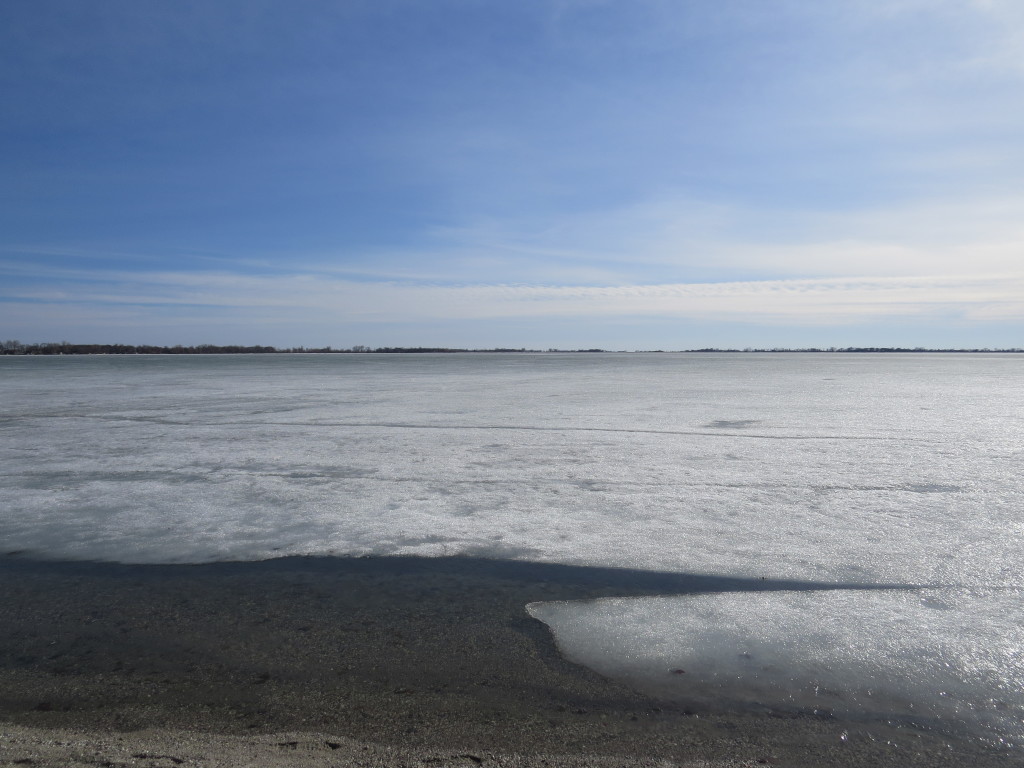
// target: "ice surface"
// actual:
[[847, 469], [808, 467]]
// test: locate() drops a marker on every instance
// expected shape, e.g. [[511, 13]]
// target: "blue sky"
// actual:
[[561, 173]]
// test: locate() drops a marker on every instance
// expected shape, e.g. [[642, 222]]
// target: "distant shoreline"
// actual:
[[16, 348]]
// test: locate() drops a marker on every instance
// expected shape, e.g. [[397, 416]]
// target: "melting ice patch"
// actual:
[[950, 659]]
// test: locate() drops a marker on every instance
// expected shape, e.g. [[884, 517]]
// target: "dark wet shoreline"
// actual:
[[423, 653]]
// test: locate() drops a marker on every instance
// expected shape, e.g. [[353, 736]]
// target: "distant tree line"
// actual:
[[855, 349], [14, 347]]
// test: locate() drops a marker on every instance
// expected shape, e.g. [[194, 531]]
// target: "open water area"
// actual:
[[824, 535]]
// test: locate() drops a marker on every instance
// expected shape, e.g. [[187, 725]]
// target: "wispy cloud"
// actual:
[[677, 239], [299, 297]]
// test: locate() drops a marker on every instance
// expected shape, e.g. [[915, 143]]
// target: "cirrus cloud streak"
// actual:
[[300, 297]]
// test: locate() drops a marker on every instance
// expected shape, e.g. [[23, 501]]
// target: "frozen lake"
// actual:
[[847, 470]]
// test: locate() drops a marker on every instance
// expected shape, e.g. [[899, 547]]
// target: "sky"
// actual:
[[623, 174]]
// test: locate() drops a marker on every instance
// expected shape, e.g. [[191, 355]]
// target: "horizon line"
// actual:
[[16, 348]]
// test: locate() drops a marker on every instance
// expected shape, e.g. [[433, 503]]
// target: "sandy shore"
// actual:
[[375, 662]]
